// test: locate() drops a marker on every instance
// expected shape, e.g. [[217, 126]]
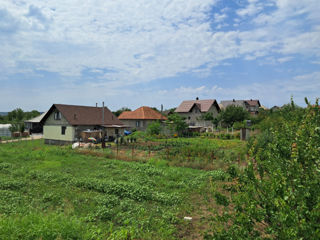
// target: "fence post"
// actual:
[[117, 148], [132, 152]]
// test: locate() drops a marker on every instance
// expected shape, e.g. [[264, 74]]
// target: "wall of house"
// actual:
[[51, 121], [132, 124], [193, 118], [112, 132], [54, 132]]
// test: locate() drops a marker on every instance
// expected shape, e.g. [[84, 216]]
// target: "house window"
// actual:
[[63, 130], [137, 123], [116, 131], [57, 116]]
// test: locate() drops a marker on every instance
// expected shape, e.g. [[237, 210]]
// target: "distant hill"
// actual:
[[3, 113]]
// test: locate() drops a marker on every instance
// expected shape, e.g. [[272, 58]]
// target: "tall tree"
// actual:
[[233, 114]]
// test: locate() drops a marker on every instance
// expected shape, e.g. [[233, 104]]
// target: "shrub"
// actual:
[[278, 193], [154, 128]]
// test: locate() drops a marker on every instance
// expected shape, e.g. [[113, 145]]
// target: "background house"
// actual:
[[140, 118], [252, 106], [194, 110], [65, 124]]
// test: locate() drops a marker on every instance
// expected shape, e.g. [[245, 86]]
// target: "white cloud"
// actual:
[[144, 40], [129, 42], [251, 9]]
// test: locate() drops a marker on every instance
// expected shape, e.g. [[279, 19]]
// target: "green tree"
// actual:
[[121, 110], [233, 114], [277, 196], [154, 128], [177, 124], [208, 116]]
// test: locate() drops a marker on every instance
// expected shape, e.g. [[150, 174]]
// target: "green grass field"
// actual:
[[51, 192]]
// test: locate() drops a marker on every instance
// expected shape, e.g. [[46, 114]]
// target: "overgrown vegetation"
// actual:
[[277, 196]]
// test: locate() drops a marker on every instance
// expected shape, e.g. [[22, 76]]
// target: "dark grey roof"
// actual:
[[239, 103]]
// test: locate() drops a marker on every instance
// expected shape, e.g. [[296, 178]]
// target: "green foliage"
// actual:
[[208, 116], [121, 110], [51, 192], [278, 193], [18, 115], [154, 128], [238, 125], [177, 124], [40, 226], [233, 114]]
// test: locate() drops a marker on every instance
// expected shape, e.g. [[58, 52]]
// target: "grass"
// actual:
[[197, 152], [50, 192]]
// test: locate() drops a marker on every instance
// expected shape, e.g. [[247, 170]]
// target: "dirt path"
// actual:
[[23, 139]]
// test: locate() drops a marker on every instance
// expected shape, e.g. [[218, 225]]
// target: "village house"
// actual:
[[252, 106], [140, 118], [193, 111], [64, 124]]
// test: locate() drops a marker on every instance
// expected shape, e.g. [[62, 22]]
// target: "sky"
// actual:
[[153, 52]]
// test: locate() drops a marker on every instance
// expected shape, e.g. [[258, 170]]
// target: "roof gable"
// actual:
[[84, 115], [253, 102], [142, 113], [204, 105]]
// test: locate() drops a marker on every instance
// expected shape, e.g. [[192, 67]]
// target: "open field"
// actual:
[[50, 192]]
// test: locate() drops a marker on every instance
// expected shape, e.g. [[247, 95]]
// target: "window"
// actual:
[[137, 123], [57, 116], [116, 131], [63, 130]]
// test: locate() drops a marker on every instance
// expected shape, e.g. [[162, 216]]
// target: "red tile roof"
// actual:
[[84, 115], [253, 102], [203, 105], [142, 113]]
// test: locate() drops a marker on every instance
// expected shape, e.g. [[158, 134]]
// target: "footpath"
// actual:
[[32, 137]]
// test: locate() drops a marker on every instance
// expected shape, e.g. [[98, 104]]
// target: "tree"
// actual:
[[121, 110], [233, 114], [208, 116], [154, 128], [176, 123], [277, 195]]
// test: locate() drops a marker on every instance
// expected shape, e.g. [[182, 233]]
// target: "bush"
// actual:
[[154, 128], [280, 188]]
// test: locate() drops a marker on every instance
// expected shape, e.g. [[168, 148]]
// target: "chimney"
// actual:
[[96, 104], [161, 108], [197, 98], [102, 113]]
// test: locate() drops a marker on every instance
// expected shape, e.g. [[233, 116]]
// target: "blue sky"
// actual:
[[153, 52]]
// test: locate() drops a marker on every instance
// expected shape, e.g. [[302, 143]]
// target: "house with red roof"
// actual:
[[194, 111], [140, 118]]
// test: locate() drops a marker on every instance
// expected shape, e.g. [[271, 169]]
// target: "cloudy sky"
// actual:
[[153, 52]]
